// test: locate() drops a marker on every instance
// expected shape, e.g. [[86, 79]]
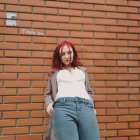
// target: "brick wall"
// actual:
[[106, 35]]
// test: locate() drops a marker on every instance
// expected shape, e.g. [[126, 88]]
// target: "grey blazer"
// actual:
[[51, 94]]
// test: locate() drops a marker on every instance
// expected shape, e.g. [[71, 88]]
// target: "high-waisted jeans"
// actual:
[[74, 119]]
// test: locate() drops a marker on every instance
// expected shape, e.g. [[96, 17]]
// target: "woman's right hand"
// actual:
[[50, 109]]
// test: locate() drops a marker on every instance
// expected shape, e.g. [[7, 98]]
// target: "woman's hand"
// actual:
[[50, 109]]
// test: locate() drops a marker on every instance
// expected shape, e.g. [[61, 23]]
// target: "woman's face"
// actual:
[[66, 54]]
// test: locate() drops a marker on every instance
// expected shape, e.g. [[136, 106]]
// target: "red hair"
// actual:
[[56, 61]]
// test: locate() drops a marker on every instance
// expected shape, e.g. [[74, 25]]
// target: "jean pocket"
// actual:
[[58, 103]]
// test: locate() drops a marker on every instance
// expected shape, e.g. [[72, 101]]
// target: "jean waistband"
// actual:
[[74, 99]]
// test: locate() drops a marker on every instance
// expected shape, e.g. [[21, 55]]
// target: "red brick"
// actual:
[[127, 77], [93, 28], [8, 76], [30, 91], [32, 76], [42, 113], [69, 12], [134, 83], [81, 20], [57, 4], [134, 70], [105, 8], [14, 68], [134, 125], [116, 56], [117, 125], [134, 132], [116, 69], [105, 90], [43, 40], [134, 111], [18, 8], [38, 84], [134, 30], [37, 129], [7, 137], [8, 46], [93, 41], [7, 30], [105, 63], [21, 23], [116, 29], [128, 118], [134, 43], [10, 38], [106, 105], [2, 22], [32, 3], [127, 50], [30, 106], [5, 61], [30, 122], [105, 21], [29, 137], [117, 2], [8, 91], [127, 36], [9, 1], [91, 1], [6, 123], [117, 97], [128, 104], [2, 7], [127, 22], [134, 3], [57, 18], [108, 133], [0, 99], [128, 90], [116, 15], [115, 112], [5, 107], [134, 137], [134, 16], [56, 33], [134, 56], [45, 10], [27, 46], [105, 76], [127, 9], [37, 99], [24, 61], [105, 35], [16, 130], [81, 6], [16, 99], [14, 114]]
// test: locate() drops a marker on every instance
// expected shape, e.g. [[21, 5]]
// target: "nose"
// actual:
[[67, 55]]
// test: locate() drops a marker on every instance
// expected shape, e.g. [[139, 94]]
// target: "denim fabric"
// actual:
[[74, 119]]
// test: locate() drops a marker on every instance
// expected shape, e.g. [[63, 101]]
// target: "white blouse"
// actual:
[[71, 84]]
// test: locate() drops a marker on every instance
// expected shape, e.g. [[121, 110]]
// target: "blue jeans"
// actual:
[[74, 119]]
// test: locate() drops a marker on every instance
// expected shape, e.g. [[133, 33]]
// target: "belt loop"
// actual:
[[76, 99], [64, 99], [84, 101]]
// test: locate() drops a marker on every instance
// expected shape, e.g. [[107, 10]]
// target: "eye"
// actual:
[[62, 54], [69, 52]]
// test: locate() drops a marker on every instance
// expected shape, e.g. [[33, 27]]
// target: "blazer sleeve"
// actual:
[[89, 89], [48, 93]]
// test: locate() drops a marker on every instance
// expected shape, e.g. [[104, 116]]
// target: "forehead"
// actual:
[[65, 49]]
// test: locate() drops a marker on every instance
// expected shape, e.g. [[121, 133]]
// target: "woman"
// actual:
[[69, 99]]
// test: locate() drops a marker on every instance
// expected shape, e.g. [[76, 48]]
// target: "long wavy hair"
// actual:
[[57, 62]]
